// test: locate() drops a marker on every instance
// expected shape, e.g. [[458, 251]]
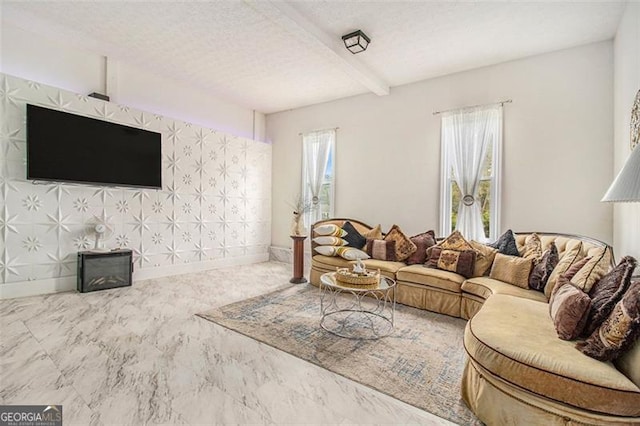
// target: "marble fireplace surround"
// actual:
[[214, 208]]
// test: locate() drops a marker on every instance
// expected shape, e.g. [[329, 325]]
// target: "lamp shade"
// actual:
[[626, 186]]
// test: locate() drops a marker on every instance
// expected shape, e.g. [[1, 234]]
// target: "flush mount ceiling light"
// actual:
[[356, 41]]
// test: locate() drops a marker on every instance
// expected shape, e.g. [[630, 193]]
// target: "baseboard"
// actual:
[[58, 285], [285, 254]]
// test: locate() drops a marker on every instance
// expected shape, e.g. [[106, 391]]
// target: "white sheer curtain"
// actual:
[[315, 153], [467, 134]]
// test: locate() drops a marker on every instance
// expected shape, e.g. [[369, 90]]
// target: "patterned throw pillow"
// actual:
[[619, 331], [542, 270], [353, 237], [381, 249], [330, 229], [373, 234], [506, 244], [423, 242], [593, 270], [484, 258], [569, 309], [532, 248], [568, 258], [511, 269], [608, 291], [404, 246], [570, 273], [329, 241], [348, 253], [460, 262], [455, 241]]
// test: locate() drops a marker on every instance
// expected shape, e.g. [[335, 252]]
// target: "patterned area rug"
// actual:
[[422, 360]]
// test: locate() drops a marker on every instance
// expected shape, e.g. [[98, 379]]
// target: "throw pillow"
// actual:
[[351, 253], [506, 244], [484, 258], [511, 269], [608, 291], [423, 242], [460, 262], [404, 246], [568, 258], [532, 248], [373, 234], [381, 249], [353, 237], [327, 250], [541, 272], [330, 230], [455, 241], [593, 270], [570, 273], [569, 309], [329, 241], [619, 331]]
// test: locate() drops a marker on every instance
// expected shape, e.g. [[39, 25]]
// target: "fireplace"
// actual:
[[104, 270]]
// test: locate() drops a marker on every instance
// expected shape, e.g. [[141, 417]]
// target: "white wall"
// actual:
[[558, 135], [626, 85], [27, 54], [213, 209]]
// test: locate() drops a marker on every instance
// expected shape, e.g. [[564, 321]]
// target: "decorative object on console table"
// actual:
[[104, 270], [298, 259], [300, 208]]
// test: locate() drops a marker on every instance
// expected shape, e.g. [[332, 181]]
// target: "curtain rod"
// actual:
[[508, 101], [320, 130]]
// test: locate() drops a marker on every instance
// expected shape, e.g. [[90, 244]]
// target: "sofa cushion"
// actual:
[[460, 262], [528, 354], [330, 262], [532, 248], [567, 258], [381, 249], [506, 244], [352, 236], [374, 233], [619, 331], [608, 291], [569, 309], [329, 229], [484, 258], [423, 242], [484, 287], [595, 269], [431, 277], [404, 246], [383, 265], [542, 270], [511, 269]]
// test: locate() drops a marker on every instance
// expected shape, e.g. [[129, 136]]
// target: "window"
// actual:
[[318, 175], [471, 142]]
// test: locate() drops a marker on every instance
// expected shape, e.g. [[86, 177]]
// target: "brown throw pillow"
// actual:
[[460, 262], [484, 258], [455, 241], [569, 257], [423, 242], [619, 331], [607, 292], [511, 269], [571, 272], [532, 248], [381, 249], [541, 272], [593, 270], [569, 309], [404, 246]]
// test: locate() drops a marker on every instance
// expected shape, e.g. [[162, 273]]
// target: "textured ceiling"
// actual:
[[236, 50]]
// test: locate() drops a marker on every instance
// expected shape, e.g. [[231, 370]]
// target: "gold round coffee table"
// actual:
[[357, 313]]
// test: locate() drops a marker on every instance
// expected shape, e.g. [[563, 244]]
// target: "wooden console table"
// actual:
[[298, 259]]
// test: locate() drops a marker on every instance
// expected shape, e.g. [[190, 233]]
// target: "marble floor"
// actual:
[[139, 355]]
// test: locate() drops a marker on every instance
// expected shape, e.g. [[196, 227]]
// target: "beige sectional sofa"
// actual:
[[518, 371]]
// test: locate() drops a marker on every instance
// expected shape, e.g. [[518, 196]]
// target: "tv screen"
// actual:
[[65, 147]]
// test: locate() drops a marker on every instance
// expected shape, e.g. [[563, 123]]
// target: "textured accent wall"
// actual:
[[215, 203]]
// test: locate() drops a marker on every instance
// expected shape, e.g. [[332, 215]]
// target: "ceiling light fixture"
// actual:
[[356, 41]]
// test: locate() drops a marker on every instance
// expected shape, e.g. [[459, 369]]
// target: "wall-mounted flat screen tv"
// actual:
[[64, 147]]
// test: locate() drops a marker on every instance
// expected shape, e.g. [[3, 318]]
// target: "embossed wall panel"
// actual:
[[215, 201]]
